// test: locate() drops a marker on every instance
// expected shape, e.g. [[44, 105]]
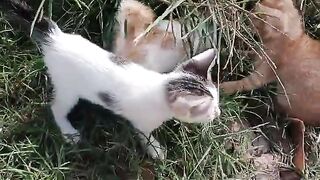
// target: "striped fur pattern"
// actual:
[[189, 85]]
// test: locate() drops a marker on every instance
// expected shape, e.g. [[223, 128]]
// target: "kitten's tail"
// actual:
[[19, 14], [134, 17]]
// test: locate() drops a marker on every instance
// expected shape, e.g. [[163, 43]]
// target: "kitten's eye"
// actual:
[[200, 109], [197, 92]]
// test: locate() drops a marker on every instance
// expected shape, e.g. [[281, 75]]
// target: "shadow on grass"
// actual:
[[109, 148]]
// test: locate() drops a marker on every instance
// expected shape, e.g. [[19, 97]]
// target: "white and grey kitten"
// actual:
[[81, 69]]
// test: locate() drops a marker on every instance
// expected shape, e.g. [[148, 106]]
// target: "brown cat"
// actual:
[[296, 67]]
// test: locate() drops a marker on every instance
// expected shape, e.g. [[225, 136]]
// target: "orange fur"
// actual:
[[297, 66], [137, 18], [137, 15], [296, 57]]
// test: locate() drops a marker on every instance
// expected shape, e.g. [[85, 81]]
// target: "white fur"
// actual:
[[81, 69], [161, 60], [205, 55], [156, 57], [165, 60]]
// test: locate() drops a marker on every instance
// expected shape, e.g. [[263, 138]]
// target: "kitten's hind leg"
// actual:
[[153, 147], [60, 109]]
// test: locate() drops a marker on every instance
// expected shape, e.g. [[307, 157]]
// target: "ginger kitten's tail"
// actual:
[[134, 17], [19, 14]]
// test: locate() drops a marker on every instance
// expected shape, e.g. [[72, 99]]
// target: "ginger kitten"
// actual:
[[296, 59], [162, 48]]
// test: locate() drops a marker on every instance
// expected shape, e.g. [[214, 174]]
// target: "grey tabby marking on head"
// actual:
[[118, 60], [188, 84]]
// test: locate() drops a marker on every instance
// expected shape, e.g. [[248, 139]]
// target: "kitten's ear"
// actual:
[[199, 64]]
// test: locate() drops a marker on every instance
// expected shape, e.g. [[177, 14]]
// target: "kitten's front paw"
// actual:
[[230, 87], [152, 146], [72, 138], [156, 152]]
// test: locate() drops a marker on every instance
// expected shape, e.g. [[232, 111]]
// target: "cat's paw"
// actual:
[[72, 138], [156, 152], [152, 147], [230, 87]]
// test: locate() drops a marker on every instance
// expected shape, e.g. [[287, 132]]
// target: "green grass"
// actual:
[[31, 146]]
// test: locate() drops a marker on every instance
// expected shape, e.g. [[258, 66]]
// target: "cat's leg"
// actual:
[[153, 147], [297, 130], [261, 76], [60, 109]]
